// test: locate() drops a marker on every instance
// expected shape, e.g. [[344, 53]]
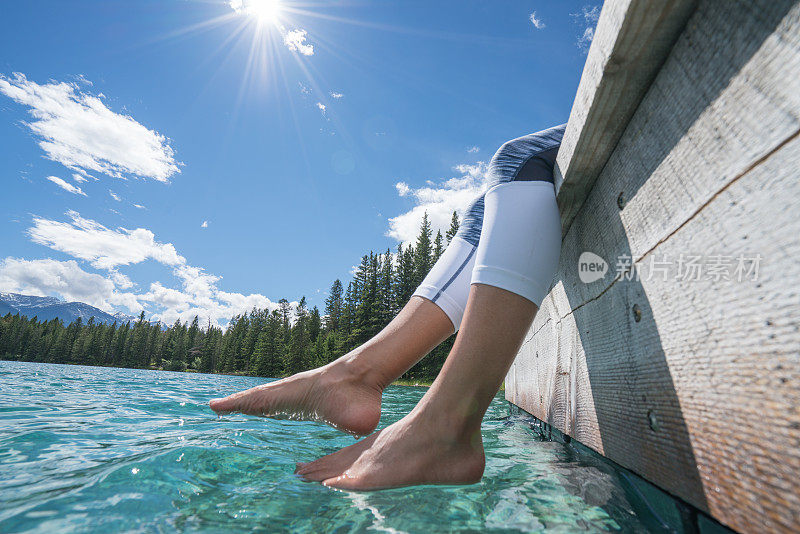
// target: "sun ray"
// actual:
[[265, 23], [186, 31], [264, 12], [438, 34], [296, 122]]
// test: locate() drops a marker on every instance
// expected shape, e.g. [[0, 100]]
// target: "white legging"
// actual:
[[511, 236]]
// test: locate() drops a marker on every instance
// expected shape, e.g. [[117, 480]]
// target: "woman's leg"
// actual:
[[440, 440], [346, 393]]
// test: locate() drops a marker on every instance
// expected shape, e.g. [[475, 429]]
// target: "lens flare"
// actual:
[[265, 11]]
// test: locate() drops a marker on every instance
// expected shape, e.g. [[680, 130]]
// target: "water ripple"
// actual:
[[87, 449]]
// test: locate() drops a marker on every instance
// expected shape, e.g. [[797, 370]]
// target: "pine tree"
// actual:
[[348, 317], [286, 312], [297, 356], [423, 250], [272, 344], [438, 247], [207, 349], [277, 347], [333, 307], [139, 343], [453, 230], [154, 340], [118, 346], [192, 333], [386, 296], [266, 356], [314, 323], [405, 281], [253, 331], [321, 356], [366, 314], [234, 338]]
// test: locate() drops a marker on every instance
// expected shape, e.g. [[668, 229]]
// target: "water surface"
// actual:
[[90, 449]]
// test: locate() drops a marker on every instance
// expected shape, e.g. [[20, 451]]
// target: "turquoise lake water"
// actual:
[[90, 449]]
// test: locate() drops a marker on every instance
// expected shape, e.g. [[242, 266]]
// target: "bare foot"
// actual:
[[333, 393], [336, 463], [415, 450]]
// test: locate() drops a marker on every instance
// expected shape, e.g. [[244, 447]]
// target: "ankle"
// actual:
[[356, 366], [361, 365], [458, 427]]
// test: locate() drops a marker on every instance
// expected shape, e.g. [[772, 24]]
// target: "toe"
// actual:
[[222, 405], [253, 401], [329, 466], [344, 482], [320, 474], [318, 470]]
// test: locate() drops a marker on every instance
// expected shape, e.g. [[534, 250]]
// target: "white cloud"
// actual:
[[323, 109], [85, 81], [66, 186], [83, 175], [104, 248], [139, 206], [78, 178], [237, 6], [114, 195], [121, 280], [473, 150], [196, 281], [586, 39], [169, 298], [64, 278], [337, 96], [402, 189], [589, 13], [204, 225], [200, 296], [439, 201], [109, 249], [77, 130], [304, 89], [295, 40], [586, 19], [537, 23]]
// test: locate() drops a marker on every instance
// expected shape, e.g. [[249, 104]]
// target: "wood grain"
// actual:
[[631, 42], [700, 394]]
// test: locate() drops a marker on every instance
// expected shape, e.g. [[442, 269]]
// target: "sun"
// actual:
[[264, 11]]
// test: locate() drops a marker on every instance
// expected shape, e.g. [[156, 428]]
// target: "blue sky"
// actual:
[[201, 157]]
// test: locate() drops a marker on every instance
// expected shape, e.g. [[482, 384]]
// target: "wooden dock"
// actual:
[[680, 169]]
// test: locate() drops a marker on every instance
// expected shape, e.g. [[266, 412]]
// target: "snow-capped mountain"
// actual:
[[46, 308]]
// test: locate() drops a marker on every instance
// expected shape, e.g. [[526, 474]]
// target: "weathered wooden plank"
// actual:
[[700, 394], [632, 40], [708, 362], [728, 96]]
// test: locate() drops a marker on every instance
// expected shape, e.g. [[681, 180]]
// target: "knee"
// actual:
[[507, 161], [531, 157], [510, 151], [521, 240]]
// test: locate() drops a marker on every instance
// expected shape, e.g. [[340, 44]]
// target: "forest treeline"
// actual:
[[263, 343]]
